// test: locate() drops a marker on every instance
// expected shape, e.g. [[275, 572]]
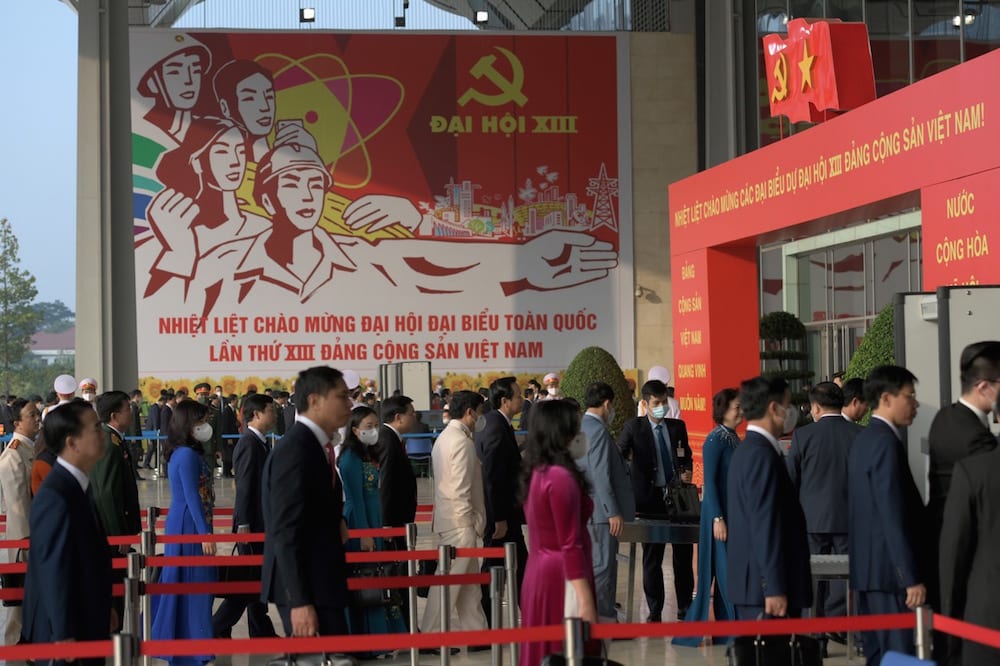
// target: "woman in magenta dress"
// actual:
[[557, 506]]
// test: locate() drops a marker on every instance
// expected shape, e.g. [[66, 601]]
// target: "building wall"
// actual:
[[664, 150]]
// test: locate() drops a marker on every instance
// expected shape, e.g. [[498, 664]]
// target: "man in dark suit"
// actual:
[[885, 512], [289, 412], [230, 427], [659, 455], [768, 550], [497, 449], [135, 430], [248, 515], [398, 486], [817, 465], [970, 540], [855, 406], [304, 569], [958, 431], [67, 592], [153, 423]]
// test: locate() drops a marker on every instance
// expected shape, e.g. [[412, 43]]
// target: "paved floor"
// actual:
[[641, 651]]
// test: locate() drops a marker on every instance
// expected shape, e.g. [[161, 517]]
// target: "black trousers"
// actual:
[[231, 610], [332, 621], [652, 568], [831, 595], [877, 643], [514, 535]]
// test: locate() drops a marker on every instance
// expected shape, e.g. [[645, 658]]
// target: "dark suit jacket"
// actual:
[[113, 487], [248, 468], [153, 416], [885, 513], [768, 548], [303, 555], [230, 424], [68, 586], [289, 416], [638, 444], [970, 540], [398, 487], [956, 433], [497, 448], [817, 464], [166, 413], [135, 428]]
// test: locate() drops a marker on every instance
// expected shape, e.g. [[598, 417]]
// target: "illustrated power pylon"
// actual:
[[602, 189]]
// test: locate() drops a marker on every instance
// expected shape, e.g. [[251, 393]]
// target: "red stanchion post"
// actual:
[[496, 605], [513, 621], [411, 592], [924, 632], [444, 568]]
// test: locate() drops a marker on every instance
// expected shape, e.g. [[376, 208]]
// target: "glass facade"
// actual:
[[910, 40]]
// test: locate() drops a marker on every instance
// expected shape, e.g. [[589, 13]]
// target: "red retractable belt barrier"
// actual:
[[967, 630]]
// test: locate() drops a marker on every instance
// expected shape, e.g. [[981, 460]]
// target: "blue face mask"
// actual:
[[659, 411]]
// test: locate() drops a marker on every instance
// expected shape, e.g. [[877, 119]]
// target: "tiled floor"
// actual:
[[641, 651]]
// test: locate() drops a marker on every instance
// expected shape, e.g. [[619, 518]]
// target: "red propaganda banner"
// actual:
[[820, 66], [959, 224], [358, 199]]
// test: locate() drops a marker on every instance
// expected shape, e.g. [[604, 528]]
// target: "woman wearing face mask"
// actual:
[[193, 498], [716, 453], [358, 466], [559, 577]]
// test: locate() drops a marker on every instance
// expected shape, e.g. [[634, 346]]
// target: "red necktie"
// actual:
[[331, 458]]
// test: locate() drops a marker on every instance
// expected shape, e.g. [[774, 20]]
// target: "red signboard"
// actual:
[[959, 226], [820, 66]]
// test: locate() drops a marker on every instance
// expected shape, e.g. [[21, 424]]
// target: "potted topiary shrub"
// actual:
[[594, 364], [783, 354]]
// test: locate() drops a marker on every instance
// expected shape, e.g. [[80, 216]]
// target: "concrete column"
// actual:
[[723, 101], [105, 273]]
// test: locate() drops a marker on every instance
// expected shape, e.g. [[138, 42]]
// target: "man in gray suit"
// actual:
[[611, 490]]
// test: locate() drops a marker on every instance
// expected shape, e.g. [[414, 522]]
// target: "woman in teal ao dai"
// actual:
[[716, 454], [359, 472]]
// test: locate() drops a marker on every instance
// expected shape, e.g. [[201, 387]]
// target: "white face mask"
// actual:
[[445, 420], [89, 397], [202, 432], [791, 419], [553, 390], [579, 446], [481, 423], [368, 437]]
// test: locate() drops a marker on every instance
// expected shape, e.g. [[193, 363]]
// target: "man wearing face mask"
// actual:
[[768, 550], [659, 452], [552, 391], [958, 431], [459, 511], [248, 514], [604, 466], [501, 460]]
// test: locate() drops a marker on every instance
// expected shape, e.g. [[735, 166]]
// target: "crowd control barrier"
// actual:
[[127, 648]]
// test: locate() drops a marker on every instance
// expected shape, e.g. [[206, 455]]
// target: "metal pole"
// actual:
[[130, 621], [574, 641], [411, 570], [124, 649], [444, 568], [161, 467], [496, 604], [148, 549], [510, 564], [924, 632]]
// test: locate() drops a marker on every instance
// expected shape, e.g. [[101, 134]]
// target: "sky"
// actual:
[[38, 150]]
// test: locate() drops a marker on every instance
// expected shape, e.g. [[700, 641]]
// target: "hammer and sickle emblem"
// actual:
[[510, 89], [780, 91]]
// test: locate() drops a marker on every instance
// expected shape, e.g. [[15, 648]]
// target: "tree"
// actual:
[[18, 318], [55, 316], [594, 364]]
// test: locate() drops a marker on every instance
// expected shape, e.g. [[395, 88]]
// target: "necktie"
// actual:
[[330, 458], [668, 464]]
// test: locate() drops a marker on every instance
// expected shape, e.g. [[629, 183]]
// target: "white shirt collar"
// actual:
[[23, 438], [508, 419], [396, 431], [983, 416], [846, 417], [77, 473], [259, 434], [323, 437], [770, 438], [889, 423], [116, 430], [823, 416]]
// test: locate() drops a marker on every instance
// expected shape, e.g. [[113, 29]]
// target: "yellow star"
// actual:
[[806, 66]]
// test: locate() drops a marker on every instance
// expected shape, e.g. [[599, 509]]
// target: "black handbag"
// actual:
[[13, 581], [313, 659], [778, 650], [560, 660], [239, 574], [375, 598], [683, 503]]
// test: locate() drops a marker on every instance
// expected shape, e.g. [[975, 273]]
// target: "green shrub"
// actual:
[[878, 347], [594, 364]]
